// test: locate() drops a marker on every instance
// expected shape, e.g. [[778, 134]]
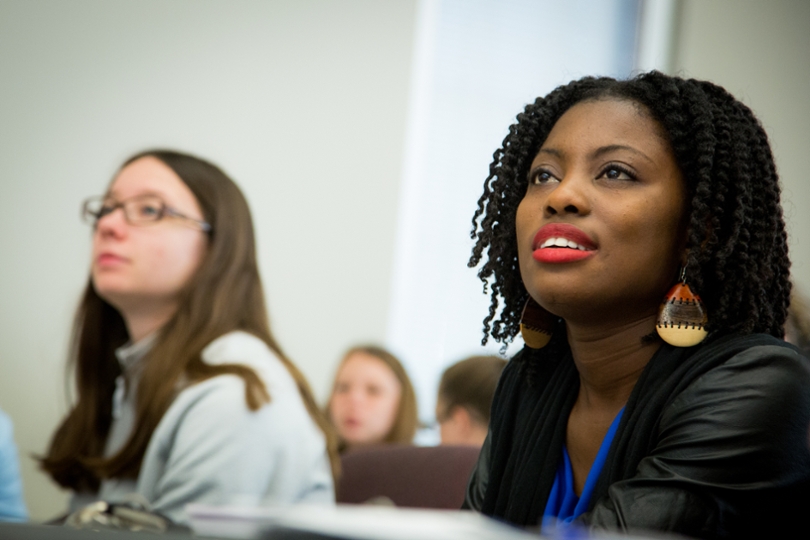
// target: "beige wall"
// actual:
[[760, 52], [303, 102]]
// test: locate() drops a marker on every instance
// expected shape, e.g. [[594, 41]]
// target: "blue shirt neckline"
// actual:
[[563, 504]]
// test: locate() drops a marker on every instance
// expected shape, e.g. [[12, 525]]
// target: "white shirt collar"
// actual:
[[130, 354]]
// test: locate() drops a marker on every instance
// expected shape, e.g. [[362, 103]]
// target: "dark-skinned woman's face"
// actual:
[[600, 230]]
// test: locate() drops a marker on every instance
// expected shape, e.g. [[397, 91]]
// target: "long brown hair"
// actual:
[[225, 294], [407, 419]]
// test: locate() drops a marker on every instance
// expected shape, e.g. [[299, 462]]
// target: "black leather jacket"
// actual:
[[715, 445]]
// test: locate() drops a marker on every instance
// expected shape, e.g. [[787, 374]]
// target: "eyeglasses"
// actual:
[[140, 210]]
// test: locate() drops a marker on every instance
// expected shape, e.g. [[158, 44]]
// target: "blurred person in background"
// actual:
[[632, 232], [465, 397], [12, 506], [372, 401], [184, 396]]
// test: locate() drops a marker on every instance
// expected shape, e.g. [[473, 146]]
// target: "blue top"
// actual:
[[563, 505], [12, 507]]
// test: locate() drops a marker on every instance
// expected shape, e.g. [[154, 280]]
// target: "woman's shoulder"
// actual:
[[760, 361], [238, 347], [762, 390], [6, 436], [223, 396], [245, 349], [226, 391], [5, 423]]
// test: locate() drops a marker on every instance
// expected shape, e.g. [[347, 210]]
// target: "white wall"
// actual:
[[302, 102], [478, 63], [760, 52]]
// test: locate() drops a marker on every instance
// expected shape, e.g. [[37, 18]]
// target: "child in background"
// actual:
[[372, 399]]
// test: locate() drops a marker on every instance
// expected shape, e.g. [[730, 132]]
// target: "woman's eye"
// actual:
[[614, 172], [542, 176], [148, 210]]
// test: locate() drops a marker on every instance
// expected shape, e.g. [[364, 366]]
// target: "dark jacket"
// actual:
[[713, 441]]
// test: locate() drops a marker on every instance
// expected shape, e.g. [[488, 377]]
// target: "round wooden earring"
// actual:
[[536, 325], [682, 317]]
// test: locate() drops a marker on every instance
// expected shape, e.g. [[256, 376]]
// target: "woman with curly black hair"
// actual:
[[632, 232]]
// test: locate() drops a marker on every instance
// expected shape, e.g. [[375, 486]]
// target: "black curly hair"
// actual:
[[737, 245]]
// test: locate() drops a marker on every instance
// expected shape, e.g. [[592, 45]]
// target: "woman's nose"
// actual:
[[354, 396], [570, 196], [114, 223]]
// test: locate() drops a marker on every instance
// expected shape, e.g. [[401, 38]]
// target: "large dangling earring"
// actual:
[[536, 325], [682, 316]]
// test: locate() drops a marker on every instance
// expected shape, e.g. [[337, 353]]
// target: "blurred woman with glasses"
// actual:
[[183, 393]]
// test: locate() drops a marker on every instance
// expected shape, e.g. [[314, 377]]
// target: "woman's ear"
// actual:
[[462, 418], [455, 426]]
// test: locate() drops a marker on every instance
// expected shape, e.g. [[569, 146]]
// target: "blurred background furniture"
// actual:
[[410, 476]]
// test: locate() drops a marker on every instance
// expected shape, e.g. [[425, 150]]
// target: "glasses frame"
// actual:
[[92, 217]]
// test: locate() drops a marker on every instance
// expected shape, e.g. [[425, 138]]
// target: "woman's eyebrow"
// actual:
[[599, 152], [146, 193], [553, 151]]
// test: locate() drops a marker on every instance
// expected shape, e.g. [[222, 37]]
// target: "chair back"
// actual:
[[410, 476]]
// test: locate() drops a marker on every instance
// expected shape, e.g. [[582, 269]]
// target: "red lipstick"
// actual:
[[556, 253]]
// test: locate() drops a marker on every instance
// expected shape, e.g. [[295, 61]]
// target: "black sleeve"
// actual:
[[477, 485], [731, 453]]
